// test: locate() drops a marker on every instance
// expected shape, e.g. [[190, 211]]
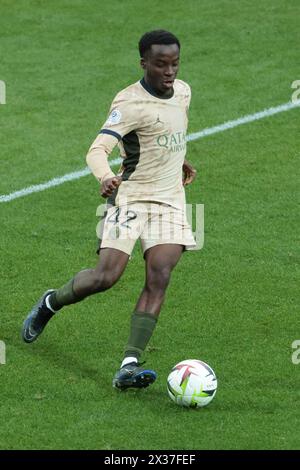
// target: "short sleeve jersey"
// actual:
[[152, 139]]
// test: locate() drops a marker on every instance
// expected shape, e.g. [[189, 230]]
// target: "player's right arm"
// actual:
[[121, 120], [97, 161]]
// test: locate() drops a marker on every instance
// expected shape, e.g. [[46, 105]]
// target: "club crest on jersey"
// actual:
[[114, 117]]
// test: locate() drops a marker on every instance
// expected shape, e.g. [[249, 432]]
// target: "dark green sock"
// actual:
[[141, 329], [63, 296]]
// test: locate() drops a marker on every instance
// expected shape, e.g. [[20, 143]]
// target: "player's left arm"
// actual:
[[189, 173]]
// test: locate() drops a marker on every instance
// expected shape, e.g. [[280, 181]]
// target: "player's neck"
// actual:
[[149, 87]]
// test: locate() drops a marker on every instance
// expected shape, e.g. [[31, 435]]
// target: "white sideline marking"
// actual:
[[36, 188], [244, 120], [197, 135]]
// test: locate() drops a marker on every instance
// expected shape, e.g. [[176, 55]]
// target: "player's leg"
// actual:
[[160, 261], [110, 267]]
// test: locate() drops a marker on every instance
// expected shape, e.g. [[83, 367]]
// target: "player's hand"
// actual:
[[189, 173], [109, 185]]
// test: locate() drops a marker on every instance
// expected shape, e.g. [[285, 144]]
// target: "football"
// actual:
[[192, 383]]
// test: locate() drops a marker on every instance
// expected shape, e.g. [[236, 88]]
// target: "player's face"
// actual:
[[161, 65]]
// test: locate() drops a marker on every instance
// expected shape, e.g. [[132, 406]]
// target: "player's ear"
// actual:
[[143, 63]]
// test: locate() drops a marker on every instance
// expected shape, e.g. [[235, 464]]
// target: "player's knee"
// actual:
[[158, 280], [104, 281]]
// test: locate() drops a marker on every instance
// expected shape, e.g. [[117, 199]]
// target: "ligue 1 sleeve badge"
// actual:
[[114, 117]]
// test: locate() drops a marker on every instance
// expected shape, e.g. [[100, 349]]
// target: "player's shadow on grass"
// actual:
[[52, 354], [75, 371]]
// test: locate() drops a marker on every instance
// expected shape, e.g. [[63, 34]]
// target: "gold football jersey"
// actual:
[[151, 133]]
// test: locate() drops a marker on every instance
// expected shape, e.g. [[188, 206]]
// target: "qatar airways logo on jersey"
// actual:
[[175, 142]]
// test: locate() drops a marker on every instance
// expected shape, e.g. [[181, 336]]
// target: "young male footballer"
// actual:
[[148, 121]]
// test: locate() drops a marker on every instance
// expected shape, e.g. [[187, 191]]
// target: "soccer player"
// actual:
[[148, 120]]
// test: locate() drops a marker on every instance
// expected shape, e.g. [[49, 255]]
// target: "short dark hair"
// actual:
[[159, 36]]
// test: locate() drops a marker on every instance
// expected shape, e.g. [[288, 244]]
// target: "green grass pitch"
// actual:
[[233, 304]]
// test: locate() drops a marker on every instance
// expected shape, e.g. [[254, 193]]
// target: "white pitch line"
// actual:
[[197, 135], [36, 188], [244, 120]]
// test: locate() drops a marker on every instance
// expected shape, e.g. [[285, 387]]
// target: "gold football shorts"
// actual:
[[152, 223]]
